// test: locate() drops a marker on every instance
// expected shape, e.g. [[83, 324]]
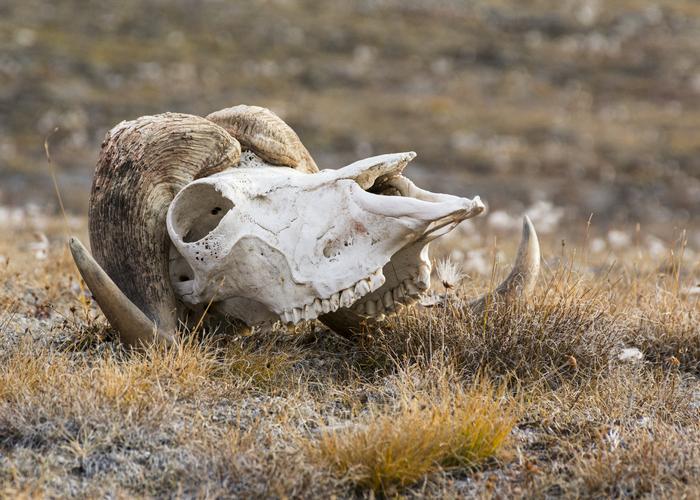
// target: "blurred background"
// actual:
[[564, 108]]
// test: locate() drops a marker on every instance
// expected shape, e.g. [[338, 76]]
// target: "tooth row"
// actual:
[[343, 298], [308, 312], [406, 293]]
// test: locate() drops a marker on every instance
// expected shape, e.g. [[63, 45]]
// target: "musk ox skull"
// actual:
[[230, 212], [266, 243]]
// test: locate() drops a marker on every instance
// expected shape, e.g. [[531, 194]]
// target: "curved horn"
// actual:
[[142, 166], [523, 277], [267, 135], [133, 325]]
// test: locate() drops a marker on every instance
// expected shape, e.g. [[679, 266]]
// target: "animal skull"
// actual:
[[230, 211], [266, 243]]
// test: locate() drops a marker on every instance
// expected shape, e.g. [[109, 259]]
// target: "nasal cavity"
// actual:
[[198, 210]]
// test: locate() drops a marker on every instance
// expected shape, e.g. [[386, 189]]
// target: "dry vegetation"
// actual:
[[543, 398], [445, 427]]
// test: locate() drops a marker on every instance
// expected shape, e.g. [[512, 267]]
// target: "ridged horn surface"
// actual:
[[142, 166], [523, 277], [267, 135]]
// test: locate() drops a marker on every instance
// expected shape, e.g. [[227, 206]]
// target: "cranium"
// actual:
[[181, 218]]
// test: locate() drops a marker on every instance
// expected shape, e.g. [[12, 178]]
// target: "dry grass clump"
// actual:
[[155, 422], [446, 427], [666, 331], [404, 409], [568, 327], [567, 433], [645, 462]]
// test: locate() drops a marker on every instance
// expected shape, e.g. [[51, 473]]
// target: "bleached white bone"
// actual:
[[265, 243]]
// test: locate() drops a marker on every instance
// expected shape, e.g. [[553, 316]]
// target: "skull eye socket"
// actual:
[[197, 211]]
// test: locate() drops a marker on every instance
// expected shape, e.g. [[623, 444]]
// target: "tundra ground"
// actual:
[[588, 389]]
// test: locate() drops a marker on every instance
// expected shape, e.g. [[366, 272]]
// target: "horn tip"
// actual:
[[528, 260], [77, 249], [530, 241], [528, 227], [522, 279]]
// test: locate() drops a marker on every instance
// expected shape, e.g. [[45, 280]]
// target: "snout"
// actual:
[[430, 209], [381, 189]]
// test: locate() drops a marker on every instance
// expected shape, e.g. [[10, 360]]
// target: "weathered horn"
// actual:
[[267, 135], [523, 277], [132, 324], [142, 166]]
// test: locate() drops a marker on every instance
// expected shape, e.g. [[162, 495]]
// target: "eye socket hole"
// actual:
[[198, 211]]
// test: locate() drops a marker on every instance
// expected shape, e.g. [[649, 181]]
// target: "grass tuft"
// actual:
[[443, 428]]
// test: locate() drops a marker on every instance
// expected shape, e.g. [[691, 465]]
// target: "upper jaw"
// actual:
[[381, 188], [341, 299]]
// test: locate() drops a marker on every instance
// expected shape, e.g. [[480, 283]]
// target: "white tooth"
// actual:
[[388, 301], [347, 298], [362, 288], [380, 317], [397, 293], [423, 280], [371, 308], [309, 312], [318, 307], [285, 317], [411, 289], [335, 301], [376, 280], [326, 306], [296, 315], [360, 308]]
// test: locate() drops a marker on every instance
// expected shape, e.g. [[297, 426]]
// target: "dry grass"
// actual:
[[646, 462], [444, 427], [407, 409]]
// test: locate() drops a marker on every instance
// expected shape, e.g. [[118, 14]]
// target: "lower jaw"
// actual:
[[384, 300], [377, 306], [395, 295], [400, 282], [407, 277]]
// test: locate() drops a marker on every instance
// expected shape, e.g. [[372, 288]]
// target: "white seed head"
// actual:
[[449, 273]]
